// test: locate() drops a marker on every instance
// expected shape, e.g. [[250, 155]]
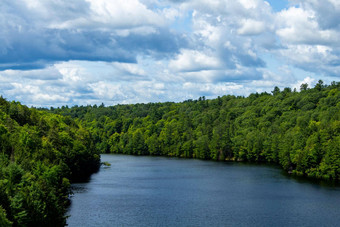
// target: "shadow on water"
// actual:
[[312, 181], [79, 188], [140, 191], [288, 176]]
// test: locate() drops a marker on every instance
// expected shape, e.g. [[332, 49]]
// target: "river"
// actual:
[[160, 191]]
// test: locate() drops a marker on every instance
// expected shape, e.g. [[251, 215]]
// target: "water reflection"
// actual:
[[158, 191]]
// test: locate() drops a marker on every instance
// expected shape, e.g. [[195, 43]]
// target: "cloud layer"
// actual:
[[55, 53]]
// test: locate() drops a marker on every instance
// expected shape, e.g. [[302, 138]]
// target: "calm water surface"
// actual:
[[159, 191]]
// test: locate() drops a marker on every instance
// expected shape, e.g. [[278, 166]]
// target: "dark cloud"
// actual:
[[327, 13], [22, 66], [245, 74], [161, 44], [39, 48], [250, 61], [36, 49], [29, 42], [127, 51]]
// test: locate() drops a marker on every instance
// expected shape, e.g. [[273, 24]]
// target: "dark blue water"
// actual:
[[158, 191]]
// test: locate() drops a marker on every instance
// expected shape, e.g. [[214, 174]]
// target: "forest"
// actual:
[[44, 150], [41, 154], [298, 130]]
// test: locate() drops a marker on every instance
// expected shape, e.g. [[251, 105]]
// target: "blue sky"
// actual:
[[278, 5], [81, 52]]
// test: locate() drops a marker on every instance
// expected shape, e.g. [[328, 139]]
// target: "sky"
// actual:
[[85, 52]]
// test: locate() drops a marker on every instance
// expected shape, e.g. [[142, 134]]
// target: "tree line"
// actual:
[[297, 130], [43, 150], [40, 155]]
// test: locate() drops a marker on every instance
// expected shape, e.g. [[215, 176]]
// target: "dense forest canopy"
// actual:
[[43, 150], [40, 154], [298, 130]]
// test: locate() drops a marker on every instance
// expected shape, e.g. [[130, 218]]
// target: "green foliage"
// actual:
[[297, 130], [4, 222], [40, 153]]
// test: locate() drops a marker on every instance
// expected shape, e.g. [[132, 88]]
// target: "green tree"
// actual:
[[3, 219]]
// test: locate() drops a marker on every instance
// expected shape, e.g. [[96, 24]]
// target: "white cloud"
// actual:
[[193, 60], [326, 12], [130, 68], [36, 93], [300, 26], [122, 13], [251, 27], [310, 37], [90, 14], [49, 73], [250, 4], [93, 51], [306, 54], [107, 91], [317, 58], [212, 90], [36, 34], [307, 80]]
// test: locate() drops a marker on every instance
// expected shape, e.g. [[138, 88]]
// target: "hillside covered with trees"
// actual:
[[300, 131], [40, 155], [43, 151]]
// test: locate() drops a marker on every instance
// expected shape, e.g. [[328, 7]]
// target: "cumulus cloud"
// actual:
[[251, 27], [326, 12], [193, 60], [212, 89], [308, 80], [310, 36], [56, 53], [44, 32], [300, 26]]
